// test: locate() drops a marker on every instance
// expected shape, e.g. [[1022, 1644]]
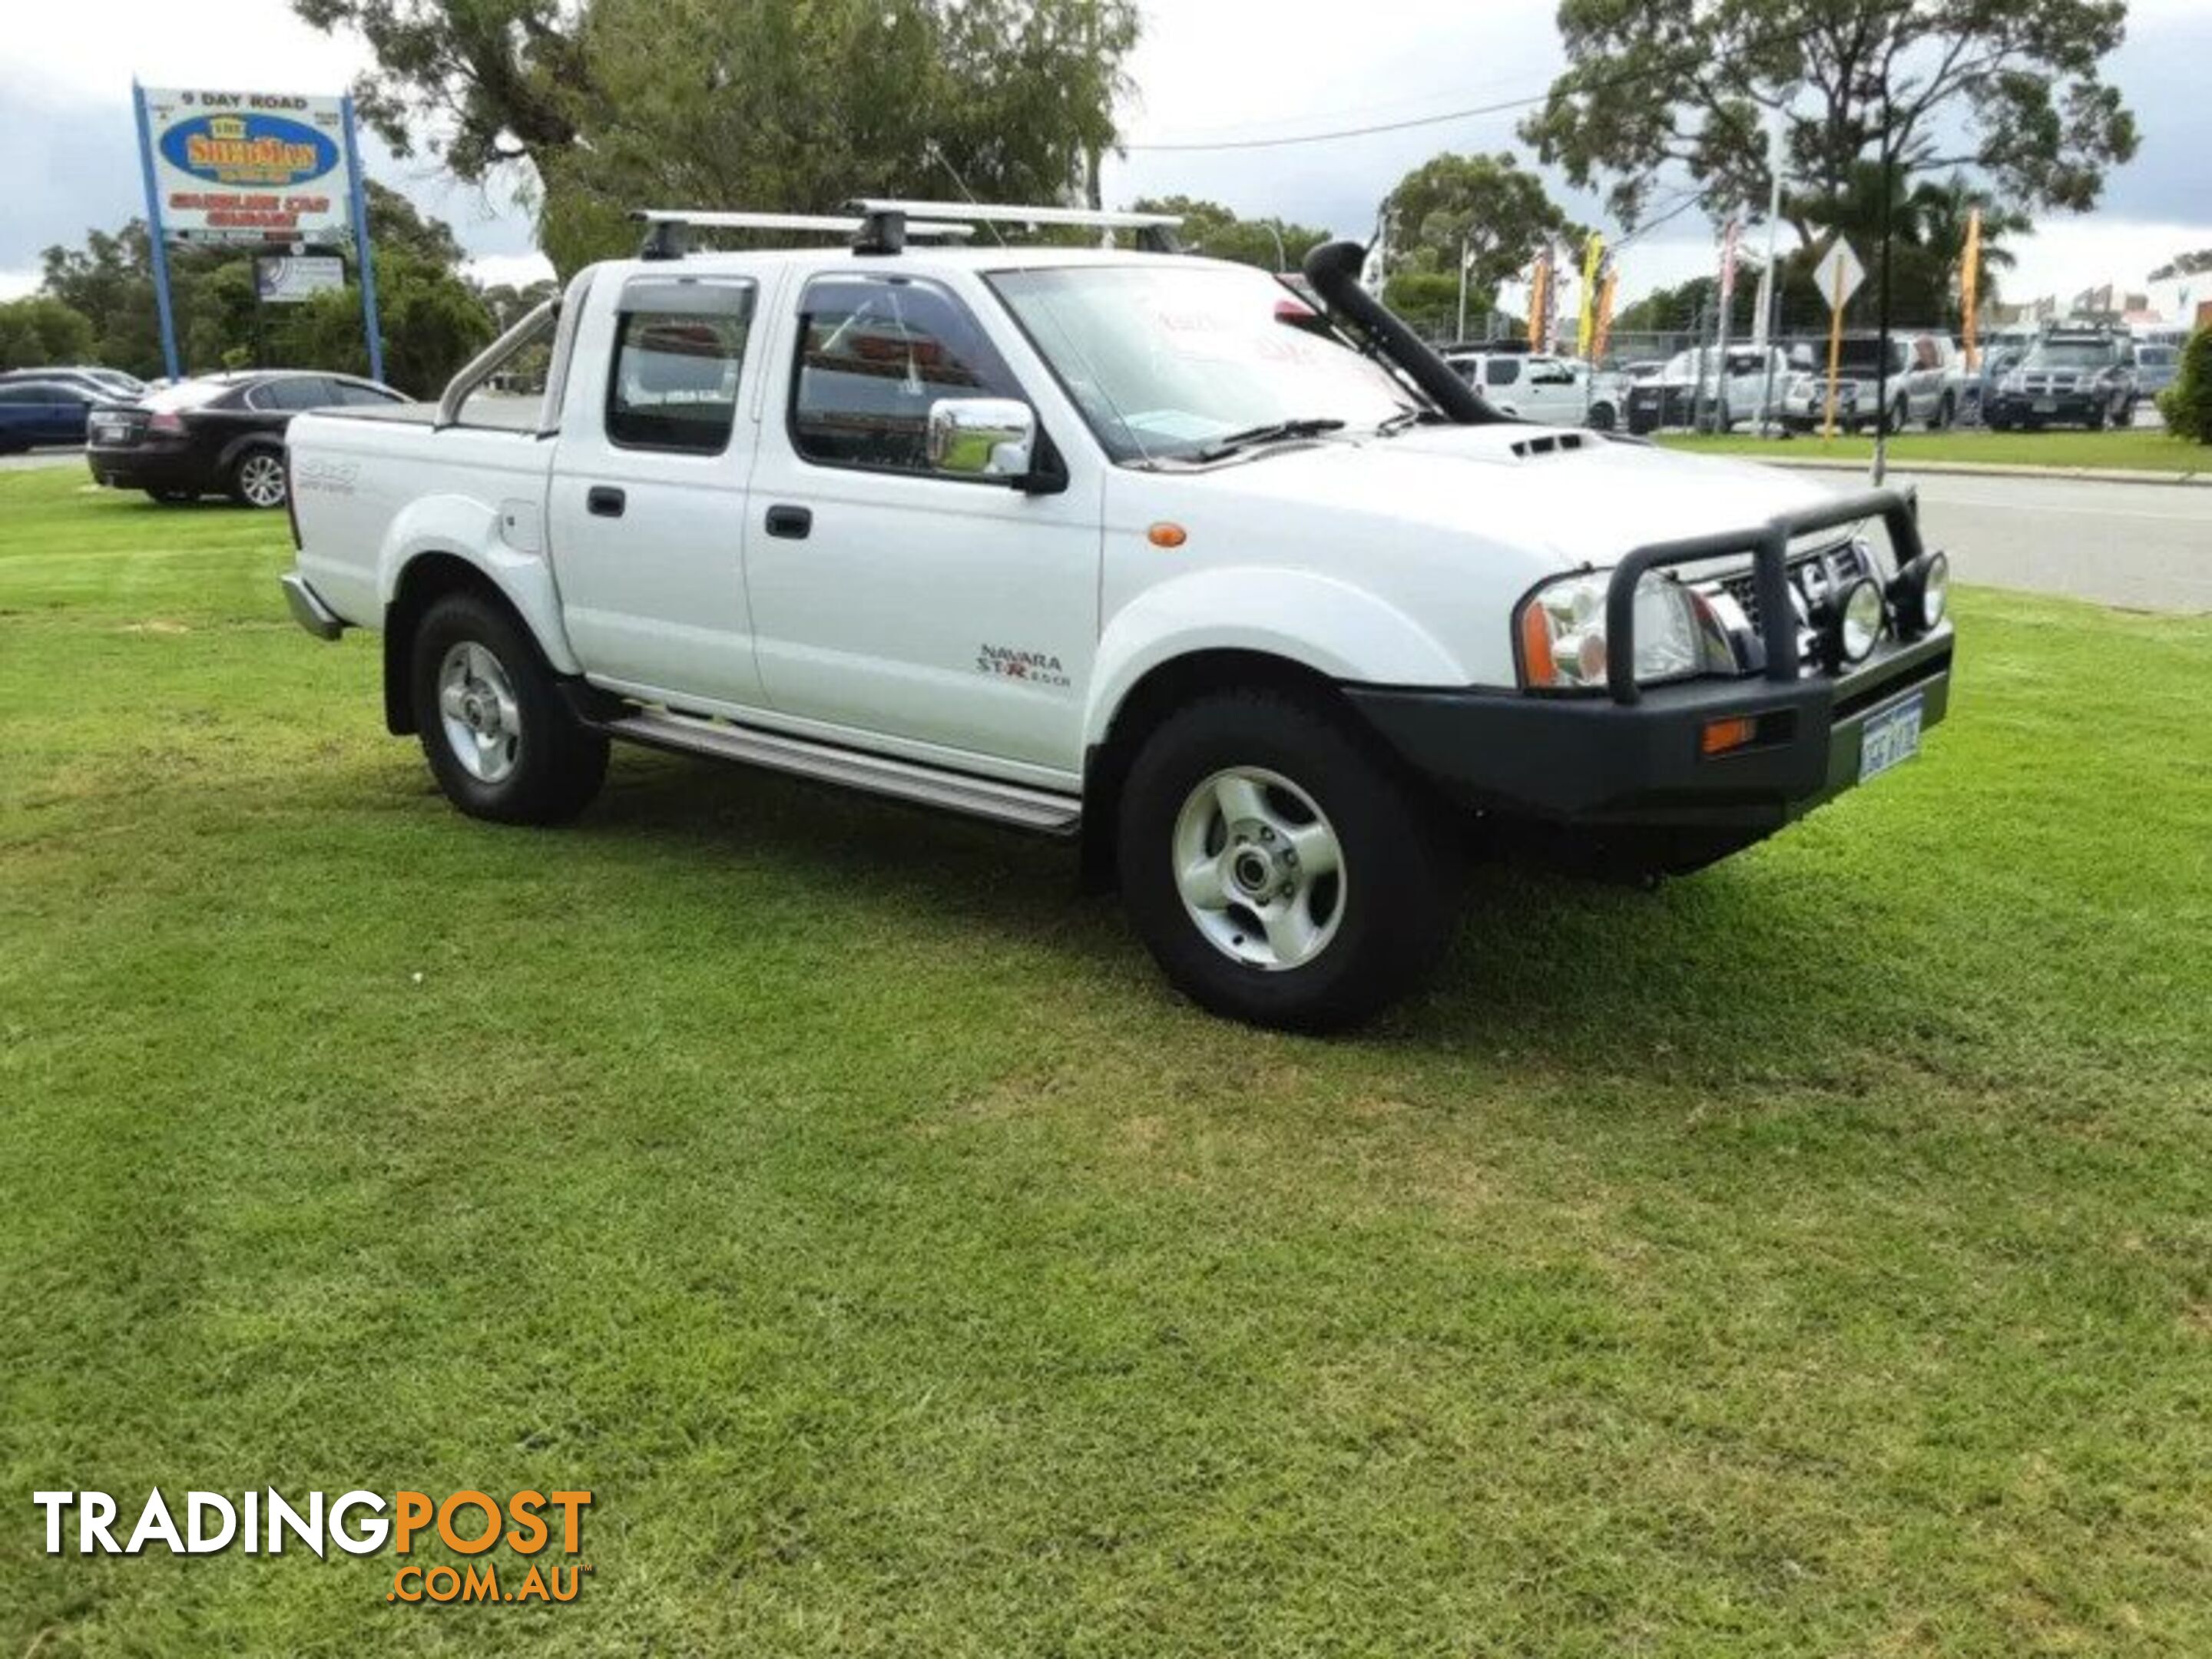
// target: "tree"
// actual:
[[433, 324], [1208, 228], [494, 81], [1500, 213], [2187, 404], [2010, 89], [773, 105], [39, 330]]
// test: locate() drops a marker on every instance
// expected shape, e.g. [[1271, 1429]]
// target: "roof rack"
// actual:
[[891, 221], [668, 230]]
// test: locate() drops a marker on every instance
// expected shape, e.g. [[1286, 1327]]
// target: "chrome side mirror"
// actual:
[[981, 437]]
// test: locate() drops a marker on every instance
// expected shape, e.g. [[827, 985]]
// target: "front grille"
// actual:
[[1811, 574]]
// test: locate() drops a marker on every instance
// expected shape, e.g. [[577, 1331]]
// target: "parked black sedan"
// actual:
[[221, 434]]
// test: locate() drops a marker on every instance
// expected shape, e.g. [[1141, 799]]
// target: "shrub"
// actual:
[[2187, 404]]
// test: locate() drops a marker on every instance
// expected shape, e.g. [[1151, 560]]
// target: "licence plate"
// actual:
[[2045, 406], [1890, 738], [109, 432]]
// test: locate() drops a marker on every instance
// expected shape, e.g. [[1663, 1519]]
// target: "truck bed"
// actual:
[[370, 486]]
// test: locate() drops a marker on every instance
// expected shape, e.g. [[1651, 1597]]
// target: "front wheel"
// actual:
[[500, 740], [1278, 872], [1602, 418]]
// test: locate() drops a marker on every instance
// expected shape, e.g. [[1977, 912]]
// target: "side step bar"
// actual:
[[1038, 809]]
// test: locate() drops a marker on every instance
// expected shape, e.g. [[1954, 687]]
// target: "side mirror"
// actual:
[[981, 438]]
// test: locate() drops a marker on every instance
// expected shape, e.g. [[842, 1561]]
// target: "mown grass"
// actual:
[[1813, 1256], [2146, 449]]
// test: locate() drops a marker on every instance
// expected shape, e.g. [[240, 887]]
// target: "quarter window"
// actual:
[[873, 355], [679, 351]]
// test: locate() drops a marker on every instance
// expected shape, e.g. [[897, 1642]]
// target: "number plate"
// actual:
[[108, 432], [1890, 738], [2046, 405]]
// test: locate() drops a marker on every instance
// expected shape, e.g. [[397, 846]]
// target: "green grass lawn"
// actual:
[[2140, 449], [1813, 1256]]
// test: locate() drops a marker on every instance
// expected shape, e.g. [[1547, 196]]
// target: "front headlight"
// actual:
[[2015, 381], [1562, 632]]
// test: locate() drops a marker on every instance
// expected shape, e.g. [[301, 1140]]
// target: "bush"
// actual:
[[2187, 404]]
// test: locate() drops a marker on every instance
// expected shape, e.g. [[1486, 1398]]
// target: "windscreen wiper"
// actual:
[[1267, 432]]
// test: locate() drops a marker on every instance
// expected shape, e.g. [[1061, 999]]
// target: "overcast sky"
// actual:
[[1207, 71]]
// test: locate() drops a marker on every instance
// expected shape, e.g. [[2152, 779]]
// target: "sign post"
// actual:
[[1970, 282], [1839, 275], [157, 238], [368, 318]]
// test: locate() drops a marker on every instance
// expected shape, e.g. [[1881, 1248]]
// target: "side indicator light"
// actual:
[[1719, 737], [1167, 535]]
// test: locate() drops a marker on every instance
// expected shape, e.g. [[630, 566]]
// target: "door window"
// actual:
[[679, 352], [874, 354], [292, 393], [1501, 371]]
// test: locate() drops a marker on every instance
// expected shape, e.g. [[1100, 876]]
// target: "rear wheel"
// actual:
[[500, 740], [1280, 871], [257, 477], [1946, 412], [1601, 417]]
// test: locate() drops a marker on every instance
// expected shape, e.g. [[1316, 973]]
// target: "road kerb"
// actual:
[[1990, 470]]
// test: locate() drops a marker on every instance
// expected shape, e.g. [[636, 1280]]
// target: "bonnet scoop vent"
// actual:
[[1553, 443]]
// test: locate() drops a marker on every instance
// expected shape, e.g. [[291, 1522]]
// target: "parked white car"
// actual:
[[1736, 382], [1130, 548], [1536, 386]]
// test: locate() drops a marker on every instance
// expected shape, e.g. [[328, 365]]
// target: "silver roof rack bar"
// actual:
[[892, 220], [996, 213], [668, 229]]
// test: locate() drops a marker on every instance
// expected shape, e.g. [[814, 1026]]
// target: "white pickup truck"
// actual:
[[1263, 607]]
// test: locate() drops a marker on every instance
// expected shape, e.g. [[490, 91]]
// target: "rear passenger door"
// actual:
[[646, 508]]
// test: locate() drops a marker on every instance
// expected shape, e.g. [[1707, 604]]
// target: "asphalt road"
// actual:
[[2147, 547], [41, 457]]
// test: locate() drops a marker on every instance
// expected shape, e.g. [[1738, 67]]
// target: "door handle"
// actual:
[[791, 523], [605, 500]]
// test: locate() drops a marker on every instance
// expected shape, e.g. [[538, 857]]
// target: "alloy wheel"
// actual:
[[1260, 867], [478, 709]]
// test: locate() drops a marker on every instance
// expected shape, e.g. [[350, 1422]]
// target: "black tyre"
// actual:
[[500, 740], [1602, 418], [2095, 421], [1280, 871], [256, 476], [1946, 412]]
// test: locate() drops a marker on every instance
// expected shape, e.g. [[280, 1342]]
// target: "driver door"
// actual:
[[893, 601]]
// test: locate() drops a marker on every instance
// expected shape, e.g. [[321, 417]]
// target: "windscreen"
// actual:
[[2069, 354], [1163, 360], [187, 394]]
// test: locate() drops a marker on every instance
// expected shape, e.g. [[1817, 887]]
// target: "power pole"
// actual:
[[1777, 153], [1462, 335]]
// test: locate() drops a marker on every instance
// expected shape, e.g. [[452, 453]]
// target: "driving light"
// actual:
[[1922, 593], [1561, 631], [1856, 622]]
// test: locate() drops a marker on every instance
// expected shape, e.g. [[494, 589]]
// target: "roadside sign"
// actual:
[[1840, 273], [287, 279], [248, 167]]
